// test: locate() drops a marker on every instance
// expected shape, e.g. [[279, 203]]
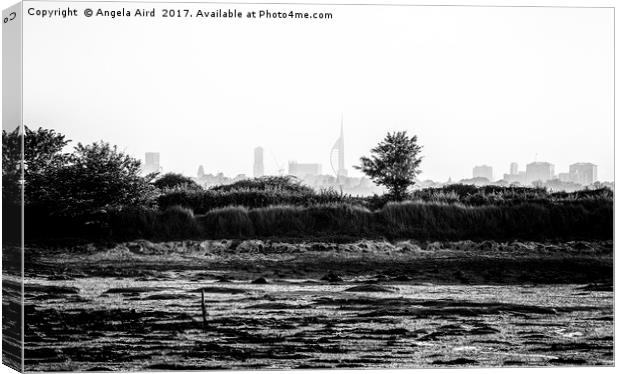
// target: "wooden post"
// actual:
[[204, 312]]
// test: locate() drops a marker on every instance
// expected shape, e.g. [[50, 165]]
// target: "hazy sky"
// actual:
[[477, 85]]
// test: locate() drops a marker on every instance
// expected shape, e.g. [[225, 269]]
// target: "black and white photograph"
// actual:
[[330, 185]]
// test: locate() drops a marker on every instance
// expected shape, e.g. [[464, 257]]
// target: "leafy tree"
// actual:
[[42, 156], [394, 163], [93, 177], [174, 180], [99, 177]]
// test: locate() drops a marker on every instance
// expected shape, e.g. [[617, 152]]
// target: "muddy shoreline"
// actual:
[[276, 305], [463, 262]]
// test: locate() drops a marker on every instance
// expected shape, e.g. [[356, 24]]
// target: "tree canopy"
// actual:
[[43, 154], [93, 177], [394, 163], [99, 177]]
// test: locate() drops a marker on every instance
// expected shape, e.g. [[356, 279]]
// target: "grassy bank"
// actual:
[[418, 220], [566, 220], [261, 195], [281, 207]]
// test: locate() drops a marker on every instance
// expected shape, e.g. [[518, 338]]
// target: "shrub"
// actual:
[[97, 177], [287, 183], [203, 201], [174, 180]]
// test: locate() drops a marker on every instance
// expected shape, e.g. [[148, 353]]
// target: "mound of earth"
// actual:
[[371, 288]]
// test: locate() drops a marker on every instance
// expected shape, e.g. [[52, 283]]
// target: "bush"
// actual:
[[97, 177], [173, 180], [287, 183], [202, 202]]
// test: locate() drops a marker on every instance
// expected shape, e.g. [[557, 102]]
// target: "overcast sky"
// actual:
[[477, 85]]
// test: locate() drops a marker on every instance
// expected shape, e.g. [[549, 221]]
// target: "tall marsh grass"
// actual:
[[229, 222], [243, 194], [451, 213], [202, 202], [414, 219]]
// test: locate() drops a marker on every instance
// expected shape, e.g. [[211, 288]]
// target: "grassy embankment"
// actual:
[[255, 210]]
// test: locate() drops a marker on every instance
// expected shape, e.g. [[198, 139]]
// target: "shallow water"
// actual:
[[305, 323]]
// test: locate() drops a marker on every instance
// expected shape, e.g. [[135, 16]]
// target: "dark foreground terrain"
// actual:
[[316, 305]]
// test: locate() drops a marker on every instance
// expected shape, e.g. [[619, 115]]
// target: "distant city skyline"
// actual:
[[583, 173], [477, 85]]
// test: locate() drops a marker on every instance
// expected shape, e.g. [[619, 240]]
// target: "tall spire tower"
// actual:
[[337, 153]]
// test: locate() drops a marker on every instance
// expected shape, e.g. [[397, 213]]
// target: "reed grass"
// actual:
[[493, 214]]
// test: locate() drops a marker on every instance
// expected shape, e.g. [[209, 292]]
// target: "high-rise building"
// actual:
[[303, 170], [539, 171], [583, 173], [151, 162], [514, 168], [564, 177], [515, 176], [483, 171], [259, 166], [337, 154], [201, 171]]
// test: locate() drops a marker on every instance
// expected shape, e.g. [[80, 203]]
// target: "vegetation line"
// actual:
[[97, 193]]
